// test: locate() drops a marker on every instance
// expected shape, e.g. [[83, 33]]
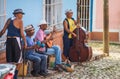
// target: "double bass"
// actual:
[[79, 51]]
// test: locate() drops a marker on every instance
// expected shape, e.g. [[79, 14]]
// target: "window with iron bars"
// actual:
[[2, 22], [84, 13], [53, 13]]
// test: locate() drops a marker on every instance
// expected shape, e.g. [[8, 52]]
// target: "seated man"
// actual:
[[41, 36], [39, 60]]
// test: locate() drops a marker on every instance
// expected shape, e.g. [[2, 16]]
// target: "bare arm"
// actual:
[[49, 37], [32, 47], [66, 27], [22, 34], [5, 27]]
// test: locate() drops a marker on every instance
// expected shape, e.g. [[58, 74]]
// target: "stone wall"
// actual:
[[58, 39]]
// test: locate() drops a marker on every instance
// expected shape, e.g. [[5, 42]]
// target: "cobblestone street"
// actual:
[[104, 68]]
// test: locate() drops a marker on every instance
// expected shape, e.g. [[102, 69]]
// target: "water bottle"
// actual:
[[42, 45], [38, 43]]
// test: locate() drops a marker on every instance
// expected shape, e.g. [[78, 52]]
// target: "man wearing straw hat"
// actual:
[[39, 60]]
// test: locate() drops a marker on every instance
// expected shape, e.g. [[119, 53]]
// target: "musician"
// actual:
[[42, 37], [69, 25], [40, 60]]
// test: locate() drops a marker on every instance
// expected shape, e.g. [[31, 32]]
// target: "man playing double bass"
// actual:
[[69, 26]]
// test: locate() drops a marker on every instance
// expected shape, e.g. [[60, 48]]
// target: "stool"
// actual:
[[51, 60]]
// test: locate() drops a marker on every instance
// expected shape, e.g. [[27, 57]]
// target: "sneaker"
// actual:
[[58, 69], [34, 74], [44, 74], [60, 66]]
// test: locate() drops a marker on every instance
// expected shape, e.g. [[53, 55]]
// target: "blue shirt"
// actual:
[[30, 43]]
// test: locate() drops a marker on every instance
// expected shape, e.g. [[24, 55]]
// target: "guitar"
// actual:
[[49, 39], [49, 43]]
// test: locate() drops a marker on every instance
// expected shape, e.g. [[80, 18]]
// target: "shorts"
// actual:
[[13, 50]]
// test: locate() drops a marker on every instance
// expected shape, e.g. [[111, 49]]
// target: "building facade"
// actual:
[[2, 22], [34, 12], [52, 12], [91, 15], [114, 20]]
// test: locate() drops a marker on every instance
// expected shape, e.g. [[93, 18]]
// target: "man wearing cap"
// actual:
[[14, 34], [39, 60], [69, 25], [40, 35]]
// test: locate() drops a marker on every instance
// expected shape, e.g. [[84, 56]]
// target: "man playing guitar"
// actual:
[[54, 49]]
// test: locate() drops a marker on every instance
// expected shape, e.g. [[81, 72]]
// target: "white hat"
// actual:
[[68, 10], [43, 22], [29, 27], [47, 31]]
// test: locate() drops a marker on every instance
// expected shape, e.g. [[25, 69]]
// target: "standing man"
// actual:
[[14, 34], [69, 25]]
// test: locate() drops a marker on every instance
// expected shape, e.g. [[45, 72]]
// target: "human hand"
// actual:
[[25, 46], [78, 25], [35, 46], [74, 35]]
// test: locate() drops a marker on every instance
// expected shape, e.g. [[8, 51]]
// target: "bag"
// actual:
[[22, 72], [68, 67], [9, 76]]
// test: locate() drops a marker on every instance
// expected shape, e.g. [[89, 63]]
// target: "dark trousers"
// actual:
[[12, 50], [67, 43]]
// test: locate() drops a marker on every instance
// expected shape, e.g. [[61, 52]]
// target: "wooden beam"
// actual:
[[106, 27]]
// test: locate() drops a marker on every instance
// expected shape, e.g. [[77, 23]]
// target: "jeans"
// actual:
[[40, 61], [57, 51]]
